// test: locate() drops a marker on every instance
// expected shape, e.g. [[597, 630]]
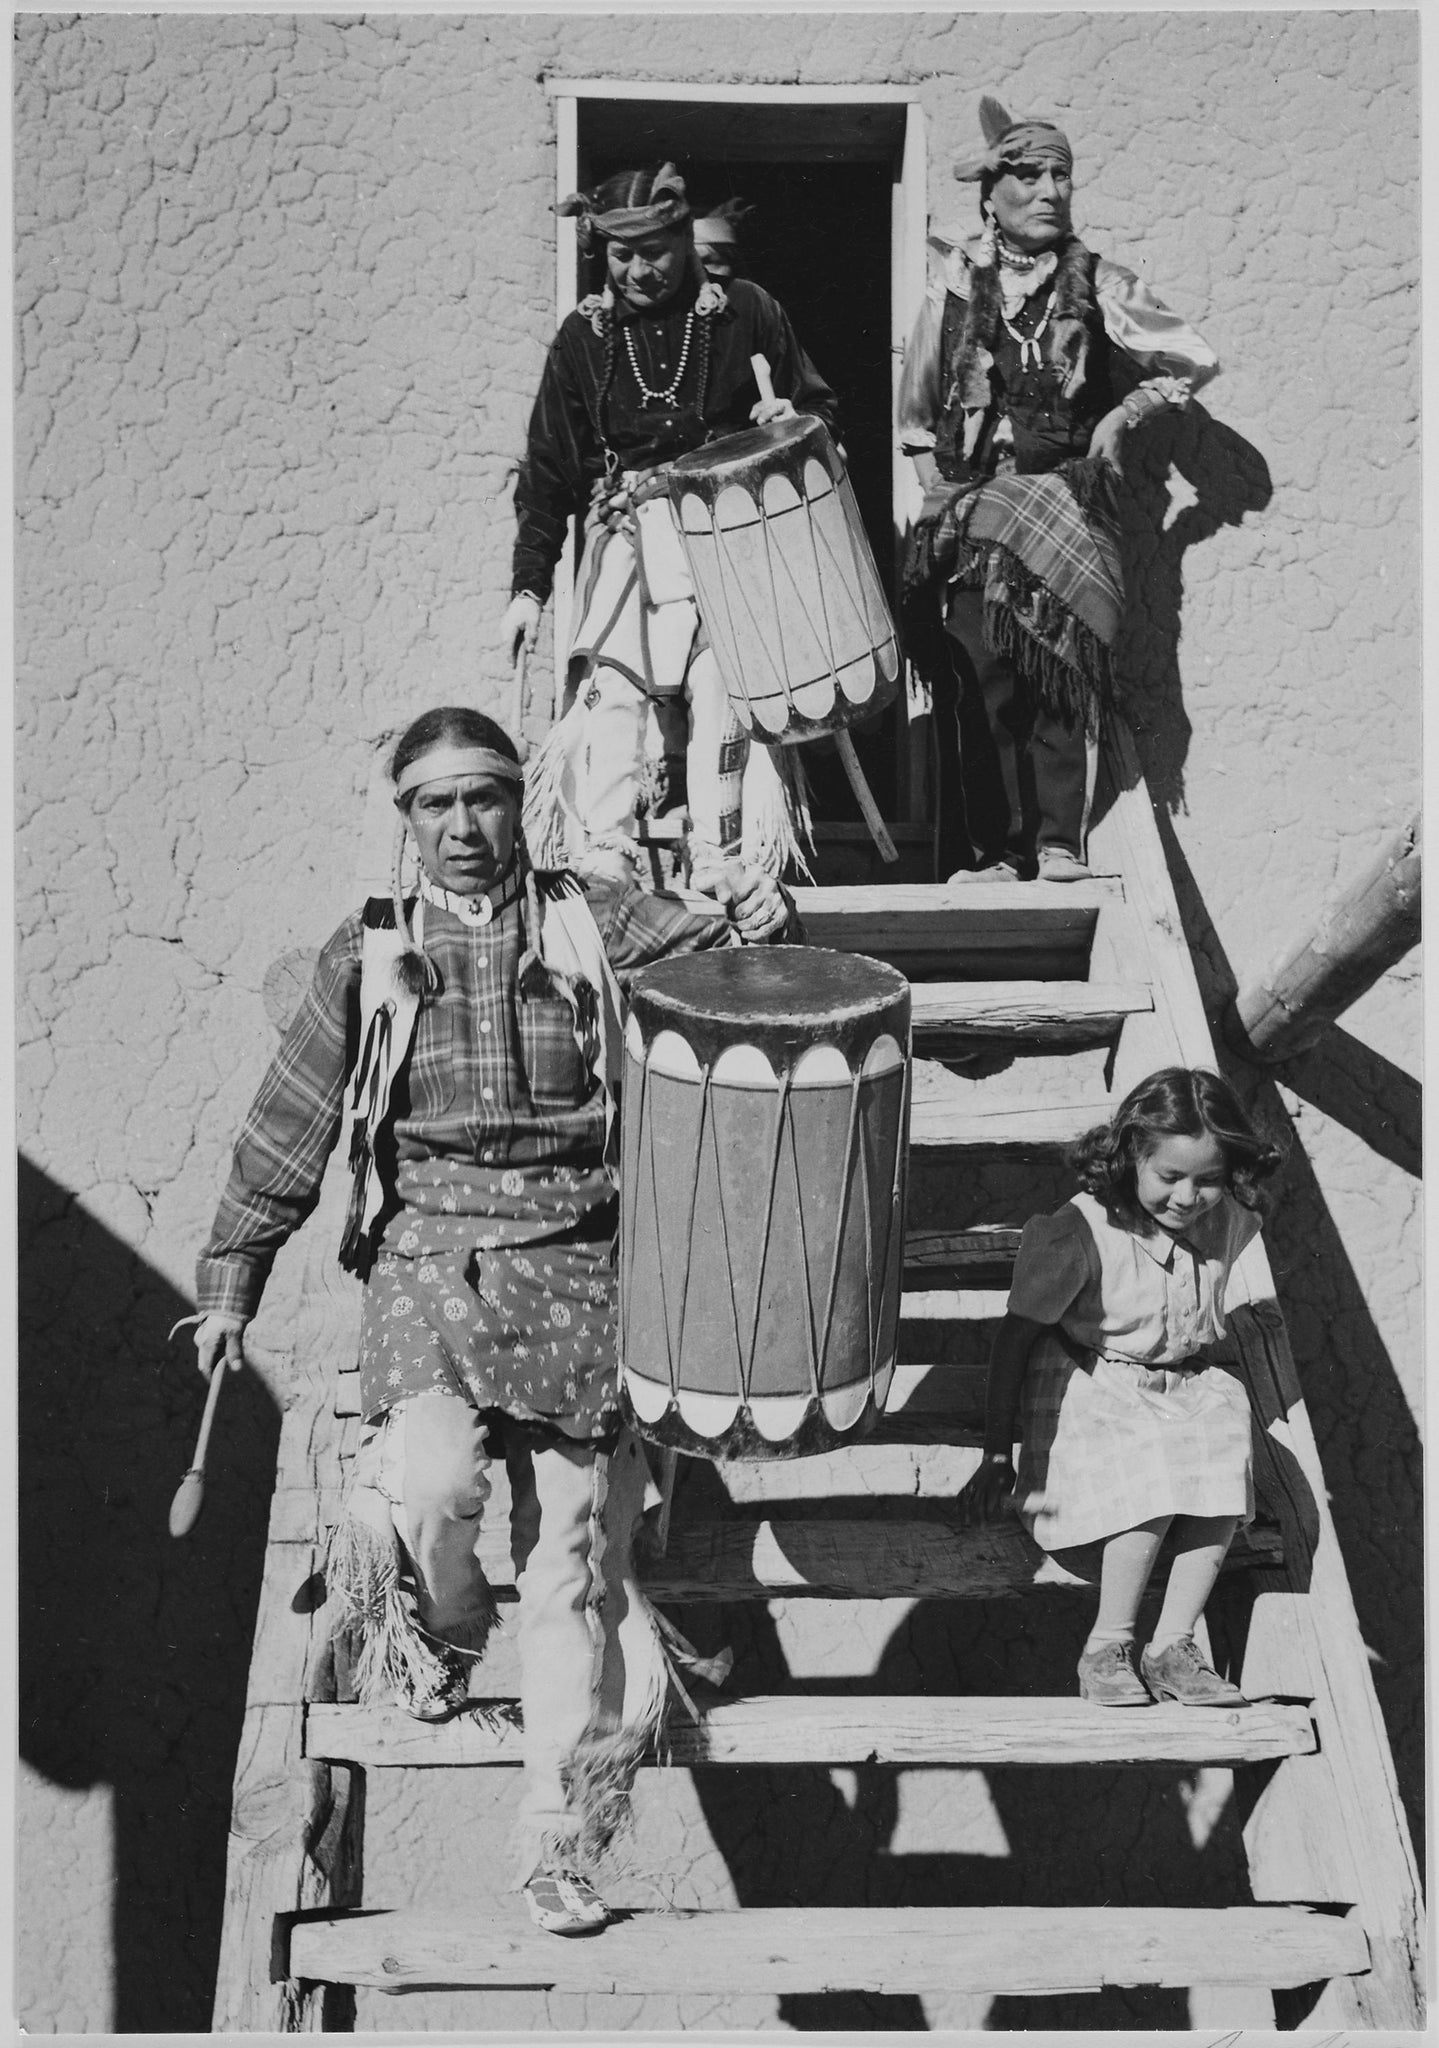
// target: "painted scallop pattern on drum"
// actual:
[[785, 581], [763, 1240]]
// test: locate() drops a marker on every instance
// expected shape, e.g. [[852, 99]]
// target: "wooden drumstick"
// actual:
[[878, 831], [517, 696], [763, 376], [190, 1493]]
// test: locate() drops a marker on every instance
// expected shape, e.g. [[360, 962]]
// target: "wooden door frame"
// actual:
[[908, 227]]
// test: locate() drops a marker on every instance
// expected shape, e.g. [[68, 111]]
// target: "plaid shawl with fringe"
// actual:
[[1046, 549]]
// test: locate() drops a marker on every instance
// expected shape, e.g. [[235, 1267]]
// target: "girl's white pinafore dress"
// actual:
[[1122, 1422]]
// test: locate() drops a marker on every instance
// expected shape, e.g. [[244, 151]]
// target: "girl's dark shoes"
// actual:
[[1179, 1672], [1107, 1677]]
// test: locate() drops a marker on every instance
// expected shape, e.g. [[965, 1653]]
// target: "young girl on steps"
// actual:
[[1125, 1429]]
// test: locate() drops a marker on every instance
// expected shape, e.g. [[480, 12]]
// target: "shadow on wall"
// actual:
[[134, 1649], [1227, 477], [1366, 1434]]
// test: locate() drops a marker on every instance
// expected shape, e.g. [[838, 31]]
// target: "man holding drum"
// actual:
[[475, 1029], [652, 366], [1025, 372]]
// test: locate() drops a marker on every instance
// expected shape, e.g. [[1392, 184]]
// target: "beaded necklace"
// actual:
[[1029, 343], [670, 392]]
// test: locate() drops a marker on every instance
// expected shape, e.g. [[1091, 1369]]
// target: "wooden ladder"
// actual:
[[1035, 1008]]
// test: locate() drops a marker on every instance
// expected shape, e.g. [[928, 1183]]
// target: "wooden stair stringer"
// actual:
[[1330, 1826], [296, 1826]]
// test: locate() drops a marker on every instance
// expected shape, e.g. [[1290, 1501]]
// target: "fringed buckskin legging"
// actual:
[[593, 1674]]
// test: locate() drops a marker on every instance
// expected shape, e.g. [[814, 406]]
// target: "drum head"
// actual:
[[750, 450], [784, 999]]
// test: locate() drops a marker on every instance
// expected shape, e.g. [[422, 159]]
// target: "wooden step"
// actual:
[[816, 1729], [819, 1558], [985, 1245], [981, 1123], [1035, 931], [787, 1949], [954, 1392], [822, 1558], [953, 1304], [1052, 1013]]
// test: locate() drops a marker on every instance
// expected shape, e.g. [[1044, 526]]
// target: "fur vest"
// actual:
[[1052, 409]]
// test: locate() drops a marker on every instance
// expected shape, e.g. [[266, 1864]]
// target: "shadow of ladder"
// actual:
[[1331, 1871]]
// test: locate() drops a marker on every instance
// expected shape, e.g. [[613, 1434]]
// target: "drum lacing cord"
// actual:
[[851, 1133], [694, 1183], [780, 1126]]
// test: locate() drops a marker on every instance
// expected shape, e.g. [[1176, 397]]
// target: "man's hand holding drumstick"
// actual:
[[218, 1335], [753, 900], [769, 408]]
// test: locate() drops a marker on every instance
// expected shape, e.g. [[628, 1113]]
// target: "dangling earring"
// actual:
[[986, 253]]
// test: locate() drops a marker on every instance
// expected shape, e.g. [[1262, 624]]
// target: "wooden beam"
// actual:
[[1331, 1825], [1055, 1013], [890, 1729], [1006, 930], [731, 95], [991, 1125], [931, 910], [954, 1304], [296, 1826], [988, 1244], [994, 1949], [1359, 934], [956, 1392], [1333, 1820], [819, 1559]]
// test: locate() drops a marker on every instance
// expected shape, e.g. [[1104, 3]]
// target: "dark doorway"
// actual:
[[820, 180]]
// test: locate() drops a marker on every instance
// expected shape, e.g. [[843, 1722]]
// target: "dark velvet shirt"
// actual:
[[564, 456]]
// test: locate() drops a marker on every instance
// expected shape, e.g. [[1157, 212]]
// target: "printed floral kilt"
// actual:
[[1109, 1443], [528, 1329]]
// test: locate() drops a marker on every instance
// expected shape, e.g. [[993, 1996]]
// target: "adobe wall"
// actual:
[[283, 291]]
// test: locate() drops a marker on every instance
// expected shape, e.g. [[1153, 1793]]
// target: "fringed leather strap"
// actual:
[[389, 1007]]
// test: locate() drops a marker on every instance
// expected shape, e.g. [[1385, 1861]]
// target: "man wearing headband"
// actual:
[[473, 1030], [646, 369], [1031, 361]]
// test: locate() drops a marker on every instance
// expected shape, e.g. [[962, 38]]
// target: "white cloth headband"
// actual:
[[443, 764]]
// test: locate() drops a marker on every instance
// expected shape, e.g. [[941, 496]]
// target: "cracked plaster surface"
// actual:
[[283, 289]]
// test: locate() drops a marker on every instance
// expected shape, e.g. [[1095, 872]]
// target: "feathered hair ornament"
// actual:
[[1007, 141]]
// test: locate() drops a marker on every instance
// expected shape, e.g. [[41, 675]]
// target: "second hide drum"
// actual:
[[764, 1119], [785, 580]]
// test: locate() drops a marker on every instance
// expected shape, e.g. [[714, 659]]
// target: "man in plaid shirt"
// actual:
[[483, 1222]]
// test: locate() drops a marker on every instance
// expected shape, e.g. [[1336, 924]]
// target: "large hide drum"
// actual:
[[785, 580], [765, 1124]]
